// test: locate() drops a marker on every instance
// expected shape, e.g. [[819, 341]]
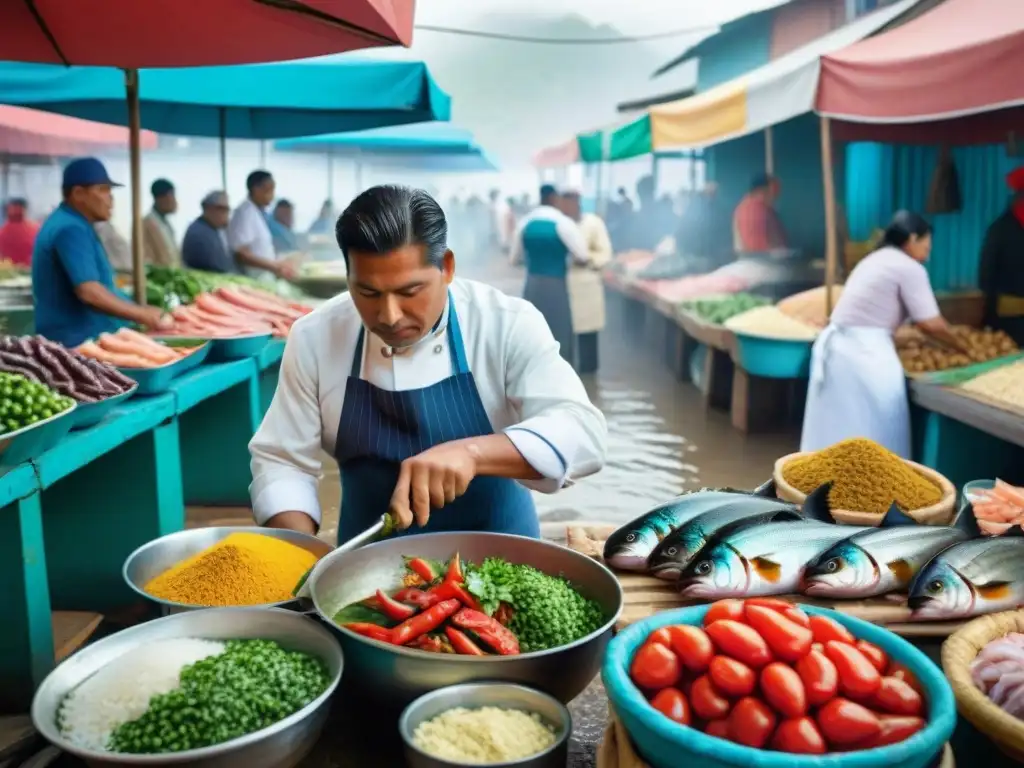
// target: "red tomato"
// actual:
[[858, 677], [655, 667], [772, 603], [896, 697], [903, 673], [845, 723], [874, 654], [692, 645], [724, 609], [800, 737], [708, 703], [751, 722], [673, 705], [893, 730], [819, 676], [662, 636], [718, 728], [787, 640], [731, 677], [782, 688], [819, 647], [826, 629], [797, 616], [741, 642]]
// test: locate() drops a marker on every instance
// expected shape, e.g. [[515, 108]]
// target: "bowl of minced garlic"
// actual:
[[865, 480], [493, 724], [223, 566]]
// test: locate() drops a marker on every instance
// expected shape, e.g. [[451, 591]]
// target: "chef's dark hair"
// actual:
[[904, 224], [387, 217]]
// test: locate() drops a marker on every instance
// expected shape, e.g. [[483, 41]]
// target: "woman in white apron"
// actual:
[[857, 386]]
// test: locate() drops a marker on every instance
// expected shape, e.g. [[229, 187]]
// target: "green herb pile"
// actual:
[[170, 287], [717, 310], [548, 611], [253, 684], [24, 402]]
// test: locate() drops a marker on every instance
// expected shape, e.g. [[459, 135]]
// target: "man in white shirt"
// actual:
[[548, 242], [249, 233], [442, 400]]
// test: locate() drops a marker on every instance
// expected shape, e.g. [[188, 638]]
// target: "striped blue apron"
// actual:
[[379, 429]]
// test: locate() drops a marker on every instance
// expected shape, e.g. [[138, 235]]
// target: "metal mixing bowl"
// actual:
[[475, 696], [152, 559], [395, 675], [281, 745]]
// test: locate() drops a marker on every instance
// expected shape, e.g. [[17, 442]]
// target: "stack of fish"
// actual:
[[717, 544]]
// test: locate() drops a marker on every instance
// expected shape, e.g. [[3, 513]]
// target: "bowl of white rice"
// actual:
[[500, 725], [83, 705]]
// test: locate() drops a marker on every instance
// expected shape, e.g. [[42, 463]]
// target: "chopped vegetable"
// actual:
[[423, 568], [425, 622], [461, 642], [488, 630], [392, 608]]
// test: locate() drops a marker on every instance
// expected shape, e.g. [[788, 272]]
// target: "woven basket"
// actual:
[[959, 650], [616, 750], [940, 513]]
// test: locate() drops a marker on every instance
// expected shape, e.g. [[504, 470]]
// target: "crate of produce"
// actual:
[[238, 348], [720, 686], [34, 419], [91, 414], [987, 694]]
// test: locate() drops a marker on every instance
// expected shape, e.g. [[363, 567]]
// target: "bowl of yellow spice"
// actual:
[[223, 566], [865, 480]]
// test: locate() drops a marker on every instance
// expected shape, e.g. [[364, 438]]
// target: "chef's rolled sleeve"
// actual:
[[285, 450], [561, 434]]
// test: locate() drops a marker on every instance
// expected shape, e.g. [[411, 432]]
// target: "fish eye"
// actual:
[[832, 565], [630, 537], [671, 550], [703, 568], [935, 587]]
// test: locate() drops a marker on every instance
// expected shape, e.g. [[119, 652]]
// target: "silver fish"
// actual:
[[760, 560], [672, 555], [629, 546], [876, 561], [971, 578]]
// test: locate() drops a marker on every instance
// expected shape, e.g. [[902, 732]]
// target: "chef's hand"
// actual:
[[433, 478]]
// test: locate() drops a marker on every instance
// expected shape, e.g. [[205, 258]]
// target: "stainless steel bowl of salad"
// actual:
[[416, 613]]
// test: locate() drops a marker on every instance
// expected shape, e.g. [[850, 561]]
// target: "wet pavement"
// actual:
[[660, 439]]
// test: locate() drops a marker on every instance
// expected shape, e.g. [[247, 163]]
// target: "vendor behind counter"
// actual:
[[1001, 272]]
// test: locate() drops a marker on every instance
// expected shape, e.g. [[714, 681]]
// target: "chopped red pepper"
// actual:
[[488, 630], [431, 643], [392, 608], [370, 630], [462, 644], [422, 568], [453, 590], [418, 597], [454, 570], [504, 614], [424, 622]]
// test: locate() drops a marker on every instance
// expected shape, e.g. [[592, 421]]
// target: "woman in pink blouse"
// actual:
[[857, 386]]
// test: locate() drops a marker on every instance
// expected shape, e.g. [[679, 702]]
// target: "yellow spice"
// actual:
[[242, 569]]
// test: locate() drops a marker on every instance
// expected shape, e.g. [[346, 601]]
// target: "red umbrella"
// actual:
[[133, 34]]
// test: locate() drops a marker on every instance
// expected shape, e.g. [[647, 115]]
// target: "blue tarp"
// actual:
[[255, 101], [425, 146]]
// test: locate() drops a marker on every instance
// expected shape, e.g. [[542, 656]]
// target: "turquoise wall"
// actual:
[[740, 47], [883, 178]]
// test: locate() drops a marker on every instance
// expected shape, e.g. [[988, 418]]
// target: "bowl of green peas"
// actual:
[[33, 419]]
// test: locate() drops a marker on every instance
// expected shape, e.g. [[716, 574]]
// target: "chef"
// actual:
[[442, 400]]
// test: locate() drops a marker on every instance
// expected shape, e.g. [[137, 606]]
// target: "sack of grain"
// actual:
[[809, 306]]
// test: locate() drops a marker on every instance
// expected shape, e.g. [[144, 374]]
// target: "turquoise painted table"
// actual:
[[965, 439], [269, 364], [218, 408]]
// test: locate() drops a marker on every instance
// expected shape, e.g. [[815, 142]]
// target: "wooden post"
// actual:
[[829, 191], [769, 151], [131, 84]]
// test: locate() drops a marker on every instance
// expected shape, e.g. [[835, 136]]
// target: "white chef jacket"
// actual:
[[527, 389], [248, 228]]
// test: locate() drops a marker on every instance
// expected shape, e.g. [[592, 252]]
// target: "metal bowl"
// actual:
[[395, 675], [475, 696], [152, 559], [281, 745]]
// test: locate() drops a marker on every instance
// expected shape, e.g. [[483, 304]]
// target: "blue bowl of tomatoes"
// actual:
[[767, 684]]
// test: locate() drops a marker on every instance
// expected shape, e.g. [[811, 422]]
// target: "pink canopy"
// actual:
[[558, 156], [29, 132], [959, 60]]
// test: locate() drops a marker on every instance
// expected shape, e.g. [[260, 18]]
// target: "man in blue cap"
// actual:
[[72, 281]]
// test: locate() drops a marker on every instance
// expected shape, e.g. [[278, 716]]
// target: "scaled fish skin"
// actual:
[[672, 555], [629, 546], [971, 578], [876, 561], [760, 560]]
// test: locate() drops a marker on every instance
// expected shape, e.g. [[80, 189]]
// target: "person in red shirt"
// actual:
[[755, 224], [18, 234]]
